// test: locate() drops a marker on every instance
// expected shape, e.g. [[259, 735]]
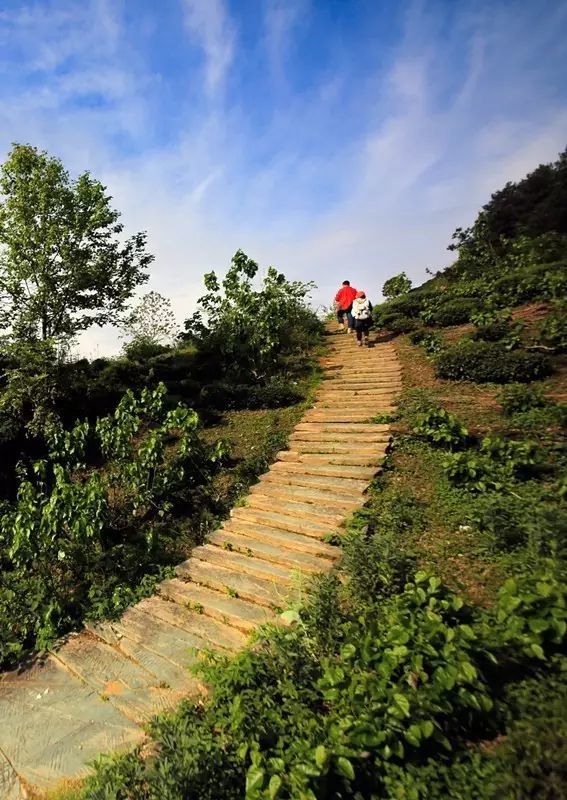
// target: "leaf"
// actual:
[[427, 728], [274, 787], [254, 779], [413, 735], [290, 617], [348, 651], [345, 768], [537, 651], [321, 756], [402, 703]]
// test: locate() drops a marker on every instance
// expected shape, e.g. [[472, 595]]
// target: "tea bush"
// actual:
[[521, 398], [275, 393], [440, 427], [495, 466], [552, 331], [431, 341], [454, 311], [490, 362]]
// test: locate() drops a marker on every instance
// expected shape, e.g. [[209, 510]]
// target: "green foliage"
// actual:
[[377, 707], [453, 311], [74, 535], [431, 341], [517, 397], [490, 362], [397, 323], [495, 466], [441, 427], [274, 393], [552, 331], [151, 322], [396, 286], [253, 334], [63, 266], [497, 326]]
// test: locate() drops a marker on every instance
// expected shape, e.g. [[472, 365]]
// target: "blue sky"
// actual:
[[331, 138]]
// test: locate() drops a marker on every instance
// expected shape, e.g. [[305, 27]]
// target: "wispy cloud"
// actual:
[[209, 23], [364, 170]]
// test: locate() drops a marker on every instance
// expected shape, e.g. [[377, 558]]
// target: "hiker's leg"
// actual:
[[350, 320], [358, 330]]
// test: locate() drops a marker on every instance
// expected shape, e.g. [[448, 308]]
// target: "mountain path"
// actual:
[[95, 691]]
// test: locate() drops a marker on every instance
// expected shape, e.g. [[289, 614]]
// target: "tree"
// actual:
[[249, 333], [397, 285], [151, 325], [63, 266]]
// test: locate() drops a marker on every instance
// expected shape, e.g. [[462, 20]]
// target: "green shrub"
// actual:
[[454, 311], [496, 464], [497, 326], [431, 341], [552, 331], [400, 324], [440, 427], [516, 398], [374, 708], [490, 362], [276, 393], [142, 348]]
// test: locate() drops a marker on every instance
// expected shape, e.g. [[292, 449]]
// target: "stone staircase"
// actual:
[[95, 691]]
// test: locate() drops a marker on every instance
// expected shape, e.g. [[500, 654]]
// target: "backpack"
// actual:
[[361, 309]]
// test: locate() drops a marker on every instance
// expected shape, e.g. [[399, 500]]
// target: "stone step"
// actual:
[[340, 502], [325, 515], [243, 564], [346, 438], [344, 392], [353, 402], [354, 486], [234, 584], [348, 415], [214, 633], [343, 427], [241, 614], [161, 649], [277, 554], [358, 382], [332, 447], [283, 521], [53, 725], [282, 538], [348, 459], [130, 688], [325, 470]]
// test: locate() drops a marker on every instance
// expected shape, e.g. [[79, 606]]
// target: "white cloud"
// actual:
[[209, 23]]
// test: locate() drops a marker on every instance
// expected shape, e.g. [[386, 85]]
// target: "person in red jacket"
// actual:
[[343, 306]]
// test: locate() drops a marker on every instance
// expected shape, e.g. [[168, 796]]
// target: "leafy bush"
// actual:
[[552, 331], [377, 712], [454, 311], [397, 323], [142, 349], [399, 284], [431, 341], [497, 464], [497, 326], [76, 538], [276, 393], [490, 362], [441, 427], [516, 398], [248, 334]]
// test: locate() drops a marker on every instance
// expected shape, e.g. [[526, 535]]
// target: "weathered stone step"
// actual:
[[341, 391], [53, 724], [241, 614], [283, 521], [357, 382], [131, 688], [348, 415], [356, 486], [247, 587], [343, 427], [369, 458], [325, 470], [352, 403], [330, 447], [249, 565], [325, 515], [348, 438], [161, 649], [282, 538], [249, 546], [341, 502], [214, 633]]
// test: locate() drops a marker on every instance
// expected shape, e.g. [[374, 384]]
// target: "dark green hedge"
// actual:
[[490, 362]]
